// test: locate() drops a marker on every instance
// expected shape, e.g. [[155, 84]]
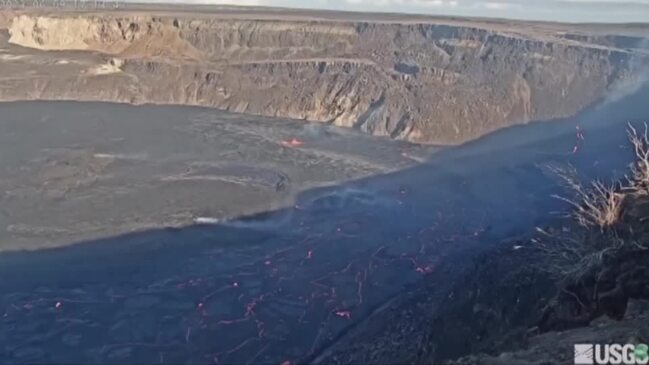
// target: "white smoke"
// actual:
[[639, 70]]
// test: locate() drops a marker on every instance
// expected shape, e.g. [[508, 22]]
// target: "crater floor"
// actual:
[[285, 286], [75, 171]]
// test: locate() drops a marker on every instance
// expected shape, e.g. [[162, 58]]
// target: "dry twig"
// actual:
[[599, 205], [640, 168]]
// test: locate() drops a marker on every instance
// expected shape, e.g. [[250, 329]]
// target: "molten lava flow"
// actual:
[[303, 290], [580, 139], [344, 314], [293, 143]]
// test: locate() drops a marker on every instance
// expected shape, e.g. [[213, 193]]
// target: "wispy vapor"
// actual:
[[639, 77]]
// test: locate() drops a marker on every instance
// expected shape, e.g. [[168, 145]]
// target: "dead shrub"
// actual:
[[572, 253], [578, 249], [596, 206], [640, 168]]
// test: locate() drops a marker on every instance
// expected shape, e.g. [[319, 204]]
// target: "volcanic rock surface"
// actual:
[[324, 280], [74, 171]]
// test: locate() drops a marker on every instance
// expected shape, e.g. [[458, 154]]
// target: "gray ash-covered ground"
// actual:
[[302, 283], [78, 171]]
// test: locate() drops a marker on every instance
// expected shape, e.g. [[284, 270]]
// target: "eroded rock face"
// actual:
[[421, 82]]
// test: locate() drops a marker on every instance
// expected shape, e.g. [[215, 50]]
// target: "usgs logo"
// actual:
[[611, 354]]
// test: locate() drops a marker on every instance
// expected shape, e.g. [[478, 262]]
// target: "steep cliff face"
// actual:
[[422, 82]]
